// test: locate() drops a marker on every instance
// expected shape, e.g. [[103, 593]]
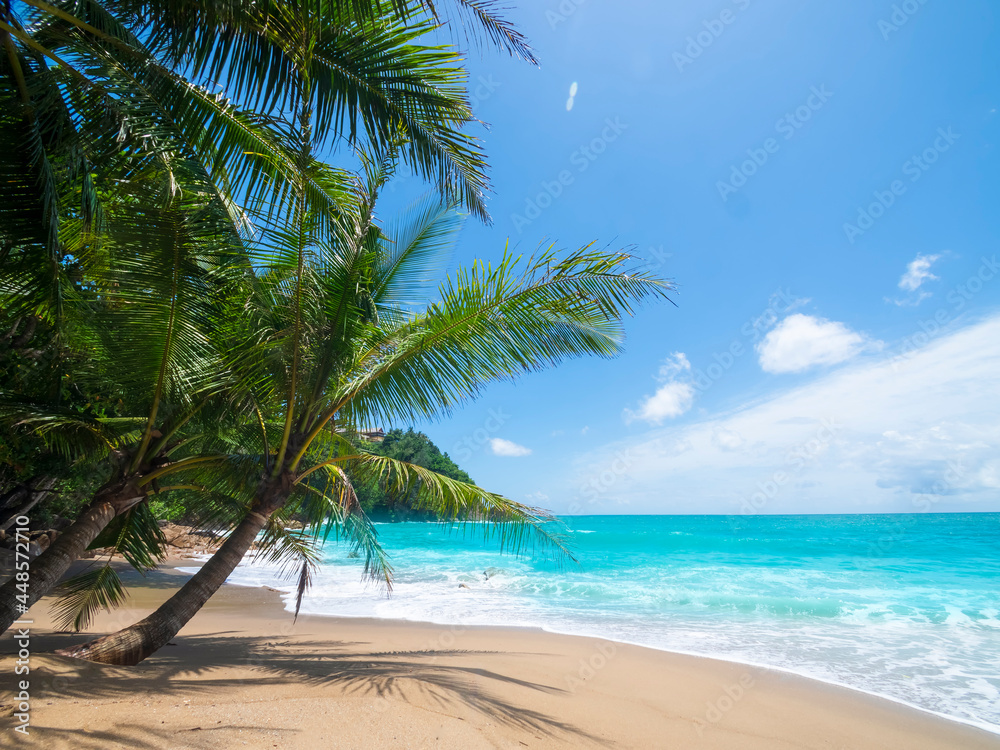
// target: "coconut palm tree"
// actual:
[[328, 333], [114, 100], [345, 70], [153, 281]]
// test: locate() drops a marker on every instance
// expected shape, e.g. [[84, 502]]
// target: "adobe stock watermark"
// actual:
[[732, 694], [594, 487], [21, 628], [589, 667], [563, 11], [780, 302], [915, 167], [581, 158], [922, 503], [655, 257], [958, 298], [712, 29], [787, 127], [445, 640], [900, 16], [480, 437], [795, 462], [484, 89]]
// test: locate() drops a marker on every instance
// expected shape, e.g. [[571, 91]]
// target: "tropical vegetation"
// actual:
[[198, 305]]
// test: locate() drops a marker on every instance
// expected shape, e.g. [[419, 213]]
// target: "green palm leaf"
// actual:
[[83, 595]]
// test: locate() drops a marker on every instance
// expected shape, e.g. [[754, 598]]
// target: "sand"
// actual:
[[241, 674]]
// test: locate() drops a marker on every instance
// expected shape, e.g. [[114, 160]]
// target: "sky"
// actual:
[[820, 181]]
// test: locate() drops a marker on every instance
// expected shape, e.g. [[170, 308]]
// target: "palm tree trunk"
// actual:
[[131, 645], [48, 568]]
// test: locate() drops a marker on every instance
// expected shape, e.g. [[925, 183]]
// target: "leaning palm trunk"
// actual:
[[49, 567], [133, 644]]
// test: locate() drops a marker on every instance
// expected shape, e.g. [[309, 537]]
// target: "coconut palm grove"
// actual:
[[204, 308]]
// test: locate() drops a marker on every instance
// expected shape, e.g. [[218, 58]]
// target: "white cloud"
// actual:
[[671, 399], [673, 365], [802, 341], [885, 434], [503, 447], [727, 440], [917, 272], [585, 429]]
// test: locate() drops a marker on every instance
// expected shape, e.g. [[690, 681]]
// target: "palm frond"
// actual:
[[516, 528], [136, 536], [494, 323], [333, 507], [486, 19], [305, 581], [420, 242], [82, 596]]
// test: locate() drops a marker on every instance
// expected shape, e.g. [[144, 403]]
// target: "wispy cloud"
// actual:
[[802, 341], [876, 435], [917, 272], [727, 440], [501, 447]]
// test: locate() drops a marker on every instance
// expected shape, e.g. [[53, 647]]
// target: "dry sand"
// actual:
[[243, 675]]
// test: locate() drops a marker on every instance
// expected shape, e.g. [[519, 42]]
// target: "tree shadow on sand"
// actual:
[[442, 678], [136, 736]]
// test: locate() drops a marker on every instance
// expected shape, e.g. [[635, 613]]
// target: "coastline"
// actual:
[[988, 728], [243, 674]]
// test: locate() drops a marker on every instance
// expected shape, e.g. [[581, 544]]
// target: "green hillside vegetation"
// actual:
[[415, 448]]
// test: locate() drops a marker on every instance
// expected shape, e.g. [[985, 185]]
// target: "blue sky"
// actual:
[[821, 182]]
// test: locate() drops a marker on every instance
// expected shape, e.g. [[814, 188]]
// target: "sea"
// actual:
[[902, 606]]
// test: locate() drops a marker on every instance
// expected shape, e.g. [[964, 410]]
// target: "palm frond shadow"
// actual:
[[140, 737], [430, 675]]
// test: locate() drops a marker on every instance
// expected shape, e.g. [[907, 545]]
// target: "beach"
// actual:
[[476, 374], [242, 674]]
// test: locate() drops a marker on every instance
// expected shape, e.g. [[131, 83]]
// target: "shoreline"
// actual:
[[418, 684], [986, 727]]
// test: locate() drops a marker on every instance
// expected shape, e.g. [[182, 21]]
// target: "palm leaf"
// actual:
[[82, 596], [516, 528], [420, 244], [493, 323]]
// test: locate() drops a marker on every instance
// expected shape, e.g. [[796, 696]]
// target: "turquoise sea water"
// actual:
[[905, 606]]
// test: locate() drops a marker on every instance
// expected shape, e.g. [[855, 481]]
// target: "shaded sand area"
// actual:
[[243, 675]]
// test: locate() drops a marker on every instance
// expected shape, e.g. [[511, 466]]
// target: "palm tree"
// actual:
[[369, 72], [328, 334], [343, 70], [155, 279]]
